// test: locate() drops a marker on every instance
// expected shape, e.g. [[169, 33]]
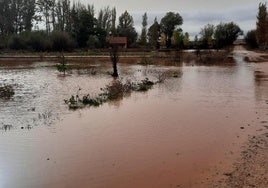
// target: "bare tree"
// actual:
[[46, 7]]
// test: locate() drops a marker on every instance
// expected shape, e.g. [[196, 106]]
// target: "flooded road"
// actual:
[[182, 133]]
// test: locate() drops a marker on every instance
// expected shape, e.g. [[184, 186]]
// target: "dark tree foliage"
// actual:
[[47, 11], [168, 24], [113, 27], [104, 20], [178, 39], [16, 16], [143, 39], [226, 33], [28, 14], [39, 41], [62, 16], [101, 35], [207, 36], [261, 31], [251, 39], [126, 28], [61, 41], [154, 34], [84, 26], [17, 42]]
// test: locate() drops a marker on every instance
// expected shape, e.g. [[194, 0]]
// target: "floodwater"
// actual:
[[182, 133]]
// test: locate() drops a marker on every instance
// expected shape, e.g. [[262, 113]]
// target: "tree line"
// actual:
[[57, 25], [258, 38], [219, 36]]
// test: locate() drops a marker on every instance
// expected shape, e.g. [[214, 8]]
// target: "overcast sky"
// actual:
[[195, 13]]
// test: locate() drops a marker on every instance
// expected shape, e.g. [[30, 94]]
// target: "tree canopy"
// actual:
[[126, 28], [154, 34], [261, 31], [226, 33], [143, 38], [169, 23], [207, 35]]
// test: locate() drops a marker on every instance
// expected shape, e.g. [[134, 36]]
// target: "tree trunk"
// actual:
[[114, 55], [115, 73]]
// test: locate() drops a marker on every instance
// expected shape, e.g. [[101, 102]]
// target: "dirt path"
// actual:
[[239, 48], [251, 169]]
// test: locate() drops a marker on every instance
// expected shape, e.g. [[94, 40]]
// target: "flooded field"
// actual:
[[184, 132]]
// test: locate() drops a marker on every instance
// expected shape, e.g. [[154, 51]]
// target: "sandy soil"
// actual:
[[251, 168]]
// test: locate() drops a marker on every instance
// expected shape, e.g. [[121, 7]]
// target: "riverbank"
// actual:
[[105, 53], [251, 168]]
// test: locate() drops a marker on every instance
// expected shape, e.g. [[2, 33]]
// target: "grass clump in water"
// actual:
[[76, 102], [116, 90], [145, 85], [6, 92]]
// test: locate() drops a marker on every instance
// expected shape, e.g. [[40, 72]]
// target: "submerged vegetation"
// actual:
[[116, 90], [62, 66], [6, 92], [119, 89]]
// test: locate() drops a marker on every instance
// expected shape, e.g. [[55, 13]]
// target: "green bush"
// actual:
[[6, 91]]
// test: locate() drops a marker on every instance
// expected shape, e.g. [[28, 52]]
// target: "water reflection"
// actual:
[[171, 135], [261, 82], [6, 127], [40, 90]]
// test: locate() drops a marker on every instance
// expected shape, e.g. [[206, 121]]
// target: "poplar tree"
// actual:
[[154, 34], [261, 30], [126, 28], [113, 27], [168, 24], [143, 39]]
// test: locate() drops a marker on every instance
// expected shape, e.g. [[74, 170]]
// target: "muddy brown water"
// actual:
[[182, 133]]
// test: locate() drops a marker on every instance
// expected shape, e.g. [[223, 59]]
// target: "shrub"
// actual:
[[114, 91], [38, 41], [3, 42], [6, 91], [145, 85], [62, 66], [17, 42], [61, 41]]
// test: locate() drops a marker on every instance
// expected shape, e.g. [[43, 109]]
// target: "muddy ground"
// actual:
[[251, 168]]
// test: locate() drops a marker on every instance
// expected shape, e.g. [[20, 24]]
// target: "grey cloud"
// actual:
[[235, 14], [245, 17]]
